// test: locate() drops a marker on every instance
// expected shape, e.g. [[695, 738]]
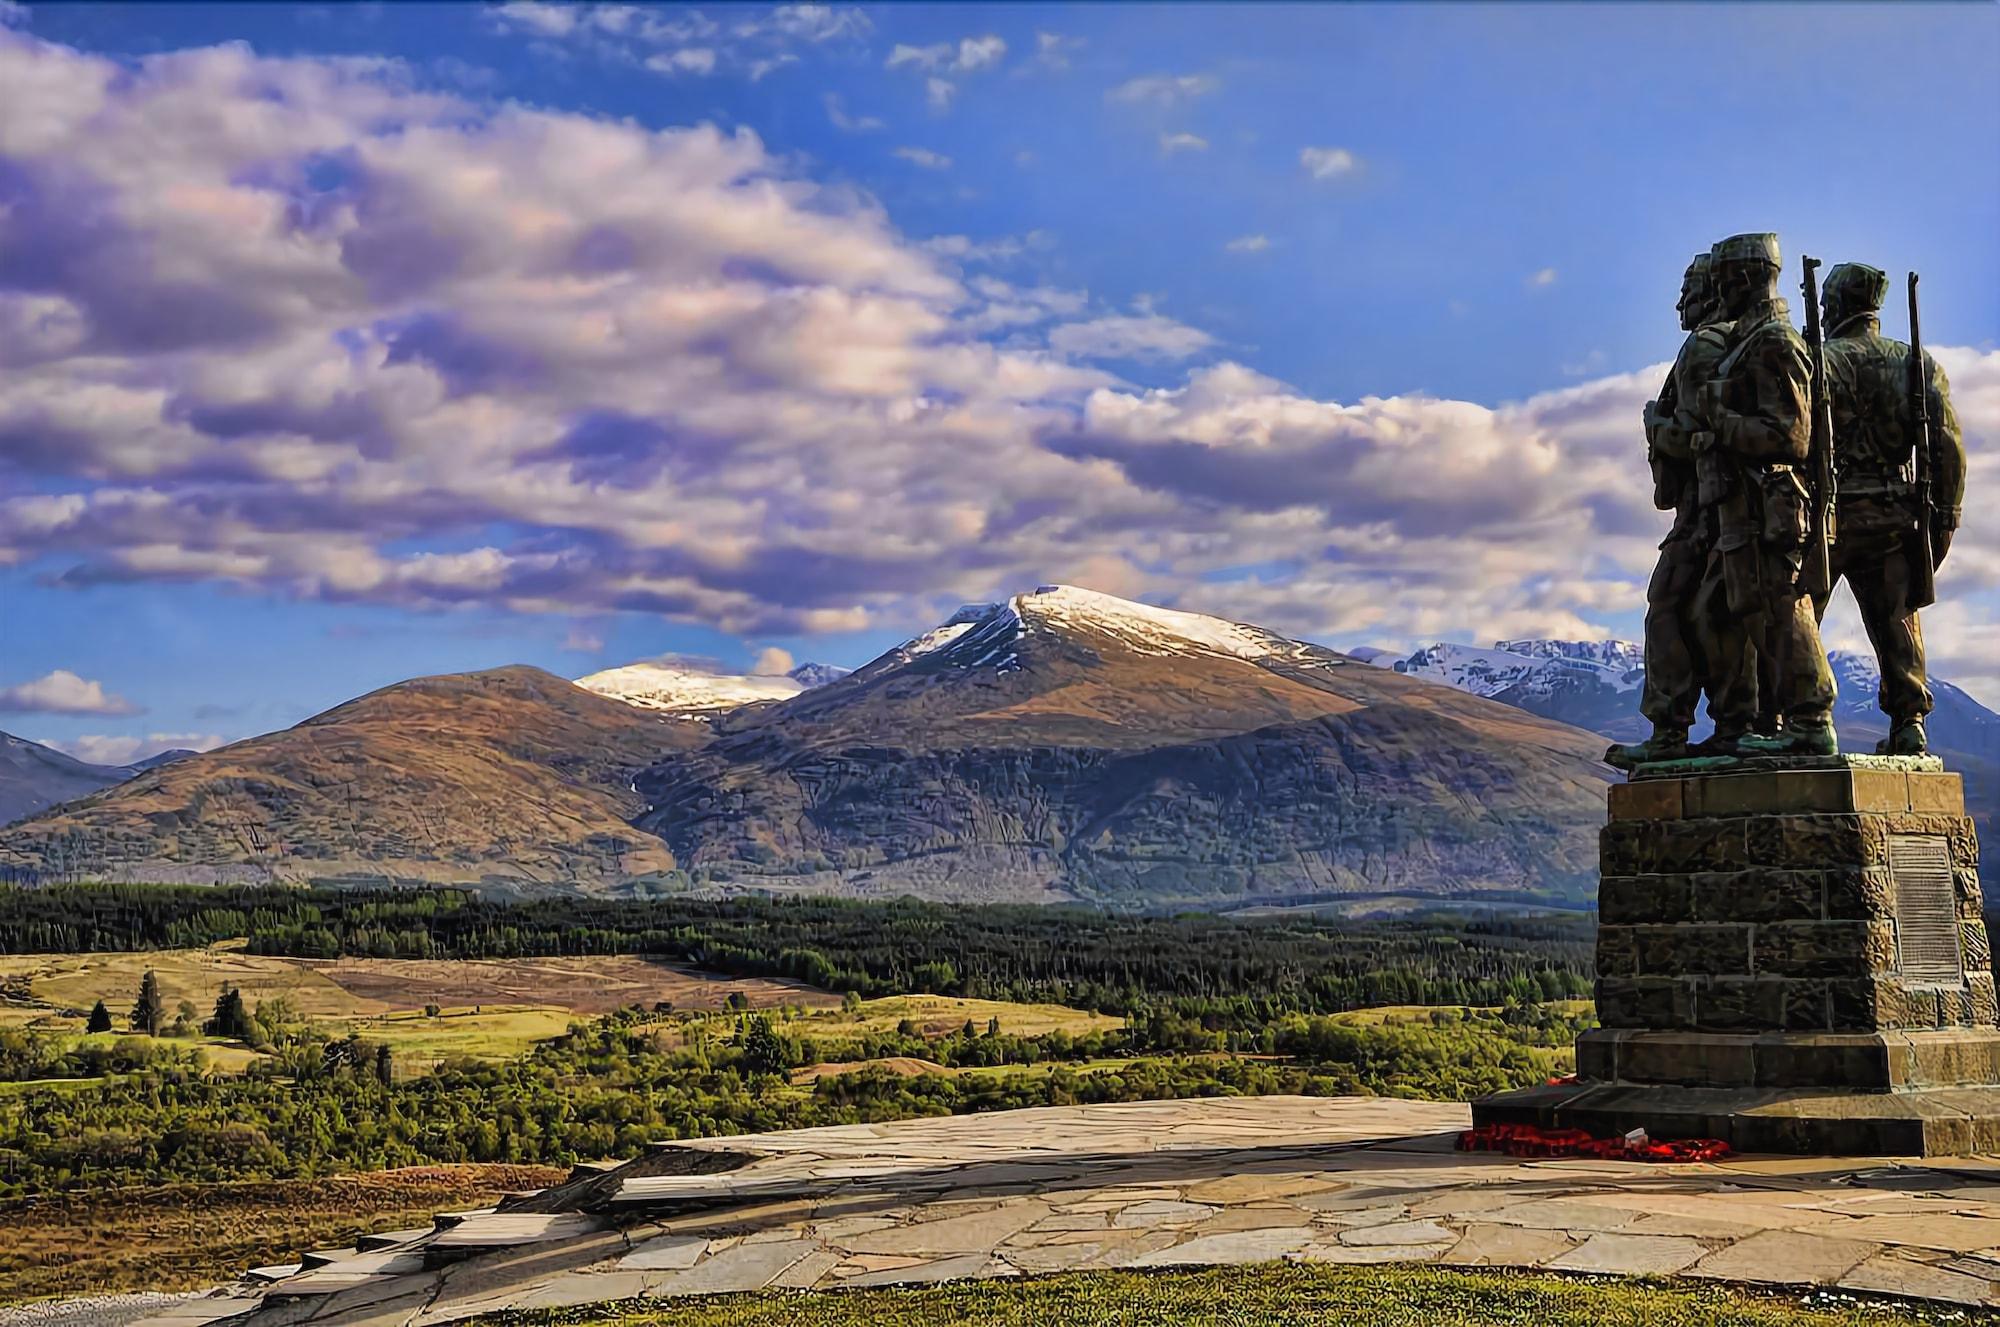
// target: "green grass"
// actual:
[[1269, 1295]]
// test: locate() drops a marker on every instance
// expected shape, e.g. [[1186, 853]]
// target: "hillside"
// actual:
[[33, 776], [1067, 744], [511, 776]]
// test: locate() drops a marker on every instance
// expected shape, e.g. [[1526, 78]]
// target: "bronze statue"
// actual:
[[1744, 417], [1675, 655], [1901, 464]]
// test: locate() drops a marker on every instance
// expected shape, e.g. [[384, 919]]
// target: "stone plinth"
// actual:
[[1777, 939]]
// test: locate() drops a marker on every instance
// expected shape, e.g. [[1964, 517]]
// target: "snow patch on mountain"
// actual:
[[681, 691], [1520, 668], [1141, 627], [810, 675]]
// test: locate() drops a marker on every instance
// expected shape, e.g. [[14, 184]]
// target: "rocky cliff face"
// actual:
[[511, 777], [1071, 745]]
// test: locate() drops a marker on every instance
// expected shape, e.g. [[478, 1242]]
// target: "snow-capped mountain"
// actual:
[[1595, 685], [1069, 744], [1587, 684], [693, 693], [810, 675]]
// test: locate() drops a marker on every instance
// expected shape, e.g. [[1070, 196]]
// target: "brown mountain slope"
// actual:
[[33, 776], [1071, 745], [510, 775]]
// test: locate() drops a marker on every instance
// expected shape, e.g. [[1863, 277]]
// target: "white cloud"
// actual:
[[980, 52], [836, 114], [773, 662], [1163, 89], [924, 157], [1247, 244], [62, 692], [968, 55], [1542, 279], [1182, 142], [694, 383], [938, 93], [1053, 49], [1148, 336], [100, 749], [678, 40], [687, 60], [1328, 163]]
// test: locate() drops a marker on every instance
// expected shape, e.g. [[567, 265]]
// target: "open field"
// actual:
[[1259, 1295], [491, 1009], [181, 1237], [935, 1015], [352, 988]]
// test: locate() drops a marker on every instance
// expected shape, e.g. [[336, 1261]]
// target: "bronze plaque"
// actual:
[[1926, 918]]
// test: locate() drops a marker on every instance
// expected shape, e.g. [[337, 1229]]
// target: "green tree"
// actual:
[[100, 1018], [150, 1012], [232, 1017], [764, 1051]]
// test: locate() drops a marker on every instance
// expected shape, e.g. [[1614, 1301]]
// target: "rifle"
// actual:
[[1923, 572], [1816, 577]]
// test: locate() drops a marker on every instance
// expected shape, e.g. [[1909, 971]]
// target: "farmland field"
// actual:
[[488, 1009]]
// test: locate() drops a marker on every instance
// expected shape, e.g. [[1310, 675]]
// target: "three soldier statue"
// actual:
[[1790, 462]]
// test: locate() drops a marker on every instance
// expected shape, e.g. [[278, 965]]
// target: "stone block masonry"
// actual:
[[1791, 955]]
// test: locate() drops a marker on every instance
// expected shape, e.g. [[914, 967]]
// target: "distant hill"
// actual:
[[1067, 744], [511, 777], [33, 776]]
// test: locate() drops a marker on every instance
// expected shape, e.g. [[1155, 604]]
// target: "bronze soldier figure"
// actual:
[[1750, 605], [1875, 438], [1676, 666]]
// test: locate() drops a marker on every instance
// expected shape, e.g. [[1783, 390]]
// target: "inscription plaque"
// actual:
[[1927, 947]]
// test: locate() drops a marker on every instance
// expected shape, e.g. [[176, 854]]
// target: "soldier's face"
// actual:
[[1694, 301]]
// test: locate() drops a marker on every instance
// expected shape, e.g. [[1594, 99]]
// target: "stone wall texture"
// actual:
[[1765, 902]]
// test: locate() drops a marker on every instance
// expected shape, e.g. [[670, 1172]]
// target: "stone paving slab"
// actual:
[[1161, 1184]]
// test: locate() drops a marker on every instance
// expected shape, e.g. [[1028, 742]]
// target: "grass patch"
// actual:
[[936, 1015], [1267, 1295], [186, 1236], [484, 1034]]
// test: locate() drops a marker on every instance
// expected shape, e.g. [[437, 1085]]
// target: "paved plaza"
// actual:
[[1150, 1184]]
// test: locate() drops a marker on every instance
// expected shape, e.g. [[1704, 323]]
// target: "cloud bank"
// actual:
[[306, 327]]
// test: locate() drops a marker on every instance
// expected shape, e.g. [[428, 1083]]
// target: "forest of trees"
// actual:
[[1242, 970], [614, 1084]]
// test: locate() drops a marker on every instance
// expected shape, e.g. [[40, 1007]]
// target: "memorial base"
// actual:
[[1945, 1121], [1791, 957]]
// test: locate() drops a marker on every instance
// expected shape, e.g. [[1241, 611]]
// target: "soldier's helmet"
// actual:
[[1856, 287], [1754, 247]]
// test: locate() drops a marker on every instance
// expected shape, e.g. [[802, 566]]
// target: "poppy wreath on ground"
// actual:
[[1527, 1140]]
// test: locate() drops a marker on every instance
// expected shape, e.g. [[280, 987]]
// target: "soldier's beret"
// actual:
[[1857, 285], [1755, 247]]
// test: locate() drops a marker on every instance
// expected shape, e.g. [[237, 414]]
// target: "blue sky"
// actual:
[[1327, 317]]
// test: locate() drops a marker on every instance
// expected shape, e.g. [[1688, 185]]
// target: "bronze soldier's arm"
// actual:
[[1776, 426], [1948, 478]]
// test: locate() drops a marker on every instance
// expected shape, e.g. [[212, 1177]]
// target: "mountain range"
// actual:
[[1060, 745]]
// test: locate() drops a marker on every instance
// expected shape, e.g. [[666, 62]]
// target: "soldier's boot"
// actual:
[[1800, 737], [1665, 744], [1721, 742], [1906, 738]]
